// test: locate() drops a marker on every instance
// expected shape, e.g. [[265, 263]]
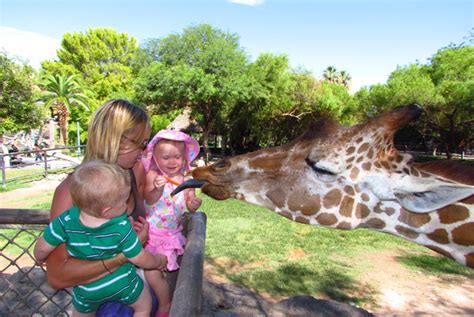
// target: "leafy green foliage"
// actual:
[[196, 69], [18, 109], [103, 57], [62, 93]]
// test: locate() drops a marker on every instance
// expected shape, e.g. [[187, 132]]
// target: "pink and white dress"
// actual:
[[165, 235]]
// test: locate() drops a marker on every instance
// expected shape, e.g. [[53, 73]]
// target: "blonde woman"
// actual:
[[118, 133]]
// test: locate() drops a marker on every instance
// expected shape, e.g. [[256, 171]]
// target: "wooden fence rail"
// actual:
[[187, 296]]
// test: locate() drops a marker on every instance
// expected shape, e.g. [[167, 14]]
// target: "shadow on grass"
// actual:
[[435, 265], [291, 279]]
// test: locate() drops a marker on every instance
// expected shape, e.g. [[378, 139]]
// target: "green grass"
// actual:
[[22, 177], [256, 248], [263, 251]]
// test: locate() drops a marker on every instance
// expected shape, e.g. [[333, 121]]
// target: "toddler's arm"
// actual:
[[42, 250], [154, 187], [192, 202], [147, 260]]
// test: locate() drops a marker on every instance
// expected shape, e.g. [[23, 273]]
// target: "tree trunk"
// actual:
[[63, 132]]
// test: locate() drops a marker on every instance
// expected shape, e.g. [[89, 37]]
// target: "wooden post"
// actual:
[[24, 216], [187, 298]]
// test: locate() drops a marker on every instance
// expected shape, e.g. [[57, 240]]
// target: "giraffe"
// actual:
[[354, 177]]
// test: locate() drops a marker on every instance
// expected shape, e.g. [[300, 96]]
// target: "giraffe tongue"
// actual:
[[190, 183]]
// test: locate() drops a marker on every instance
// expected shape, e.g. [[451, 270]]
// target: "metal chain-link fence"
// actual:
[[24, 290]]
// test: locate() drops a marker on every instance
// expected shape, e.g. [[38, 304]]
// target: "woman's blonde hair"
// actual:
[[114, 119], [96, 185]]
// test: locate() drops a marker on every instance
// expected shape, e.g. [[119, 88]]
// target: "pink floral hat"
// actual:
[[191, 145]]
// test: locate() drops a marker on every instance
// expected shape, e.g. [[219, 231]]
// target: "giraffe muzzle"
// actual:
[[190, 183]]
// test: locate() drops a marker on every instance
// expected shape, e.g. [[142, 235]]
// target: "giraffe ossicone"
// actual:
[[354, 177]]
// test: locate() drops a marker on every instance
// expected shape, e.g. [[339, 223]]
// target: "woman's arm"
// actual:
[[63, 270]]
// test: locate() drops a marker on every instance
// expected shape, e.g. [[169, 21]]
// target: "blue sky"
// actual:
[[367, 38]]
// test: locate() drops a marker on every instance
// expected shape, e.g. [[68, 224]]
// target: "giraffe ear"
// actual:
[[428, 197]]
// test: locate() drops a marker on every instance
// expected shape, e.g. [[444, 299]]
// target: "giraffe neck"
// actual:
[[444, 230]]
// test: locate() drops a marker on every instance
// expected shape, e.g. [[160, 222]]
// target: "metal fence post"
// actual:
[[4, 181], [45, 164]]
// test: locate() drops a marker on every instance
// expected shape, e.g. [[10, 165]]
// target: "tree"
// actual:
[[61, 93], [444, 87], [104, 59], [18, 110], [344, 78], [330, 74], [452, 113], [199, 68]]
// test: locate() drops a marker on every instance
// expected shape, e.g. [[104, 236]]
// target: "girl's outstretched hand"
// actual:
[[141, 227], [194, 203]]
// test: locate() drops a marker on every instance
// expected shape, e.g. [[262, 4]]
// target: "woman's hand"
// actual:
[[141, 227], [162, 262]]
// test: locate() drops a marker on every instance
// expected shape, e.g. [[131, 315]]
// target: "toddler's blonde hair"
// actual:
[[97, 184]]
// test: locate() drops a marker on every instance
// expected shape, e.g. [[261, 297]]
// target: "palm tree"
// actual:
[[61, 92], [330, 74], [344, 78]]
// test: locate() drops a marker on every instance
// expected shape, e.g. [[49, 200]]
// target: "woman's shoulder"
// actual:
[[62, 198], [139, 171]]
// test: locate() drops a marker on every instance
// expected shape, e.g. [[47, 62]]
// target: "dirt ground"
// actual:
[[401, 291]]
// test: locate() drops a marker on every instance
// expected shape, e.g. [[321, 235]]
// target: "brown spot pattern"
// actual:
[[389, 211], [407, 232], [362, 211], [333, 198], [413, 219], [370, 154], [344, 225], [363, 148], [440, 251], [469, 200], [308, 204], [439, 235], [273, 162], [350, 150], [453, 213], [326, 219], [302, 220], [374, 223], [277, 196], [365, 197], [385, 164], [470, 260], [349, 190], [464, 234], [286, 214], [346, 206], [366, 166]]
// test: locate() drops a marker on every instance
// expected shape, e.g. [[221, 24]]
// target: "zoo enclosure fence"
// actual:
[[48, 160], [23, 286]]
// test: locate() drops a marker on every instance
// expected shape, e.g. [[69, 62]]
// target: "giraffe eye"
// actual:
[[220, 165], [323, 174]]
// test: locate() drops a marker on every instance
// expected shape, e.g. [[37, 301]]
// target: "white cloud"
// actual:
[[31, 47], [251, 3]]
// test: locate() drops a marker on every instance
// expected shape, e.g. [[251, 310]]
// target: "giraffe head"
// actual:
[[347, 178]]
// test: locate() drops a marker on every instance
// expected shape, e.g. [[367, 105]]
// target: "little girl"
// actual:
[[167, 157]]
